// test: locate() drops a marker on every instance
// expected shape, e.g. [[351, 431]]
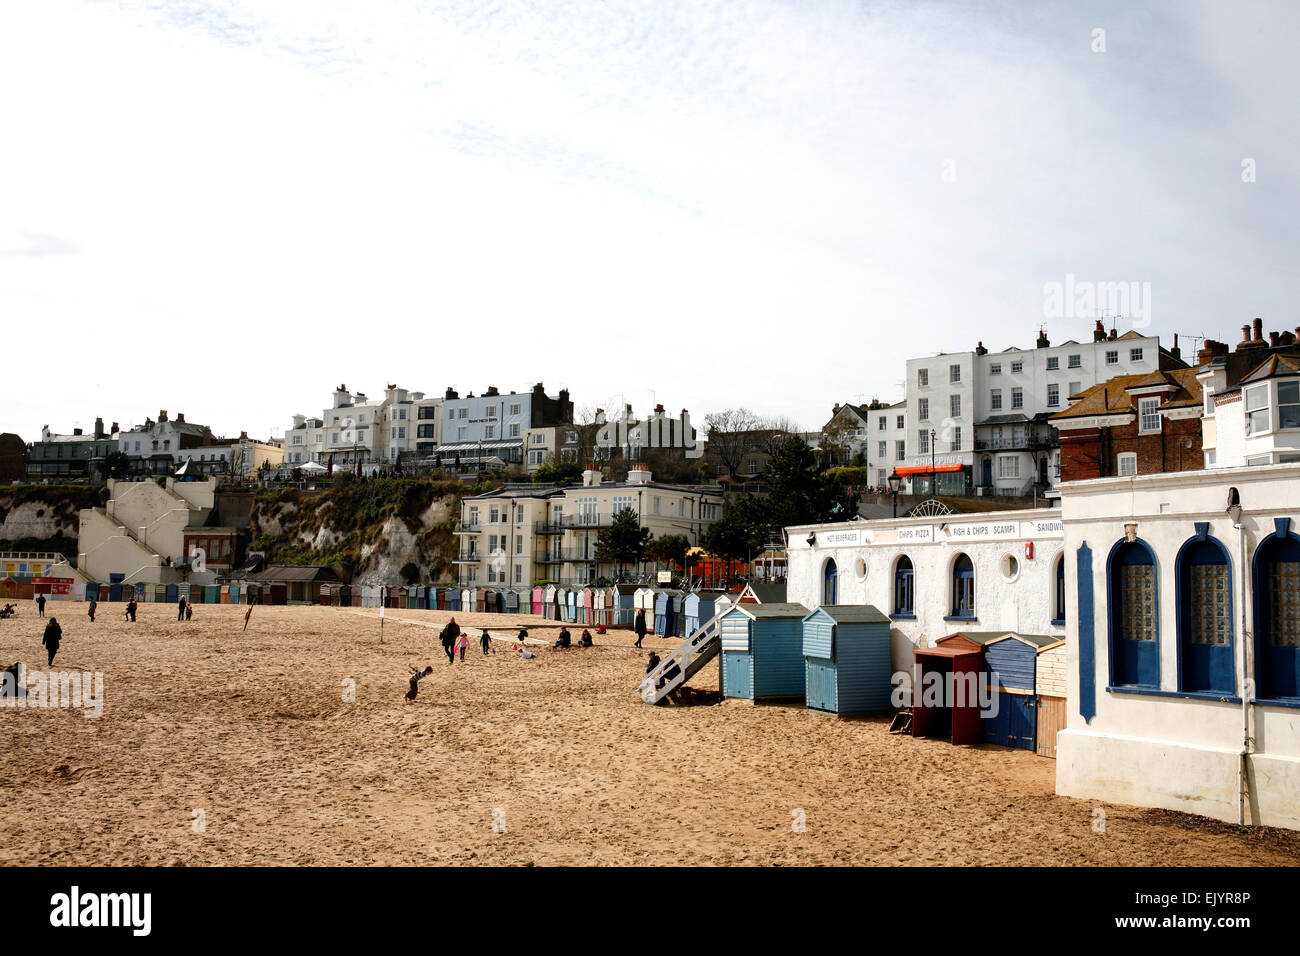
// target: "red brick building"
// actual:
[[1133, 425]]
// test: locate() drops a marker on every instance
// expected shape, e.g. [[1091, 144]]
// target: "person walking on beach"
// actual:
[[180, 610], [449, 635], [639, 627], [53, 635], [91, 610], [40, 604], [416, 675], [485, 642], [189, 610], [131, 609], [462, 642]]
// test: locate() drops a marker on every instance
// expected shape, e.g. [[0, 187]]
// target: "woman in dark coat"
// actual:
[[53, 635], [640, 627]]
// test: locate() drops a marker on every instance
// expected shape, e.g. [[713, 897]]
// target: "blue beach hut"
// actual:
[[762, 651], [846, 660]]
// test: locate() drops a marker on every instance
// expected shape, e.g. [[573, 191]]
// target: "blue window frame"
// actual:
[[830, 582], [1277, 613], [1060, 591], [963, 588], [1205, 654], [1134, 619], [904, 577]]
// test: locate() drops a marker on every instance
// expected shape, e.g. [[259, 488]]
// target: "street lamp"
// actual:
[[933, 483], [895, 482]]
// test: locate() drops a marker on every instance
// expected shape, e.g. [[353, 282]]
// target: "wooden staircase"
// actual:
[[682, 663]]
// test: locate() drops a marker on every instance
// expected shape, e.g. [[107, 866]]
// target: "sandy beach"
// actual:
[[250, 735]]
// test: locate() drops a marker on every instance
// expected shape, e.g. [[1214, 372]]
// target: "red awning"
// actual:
[[926, 469]]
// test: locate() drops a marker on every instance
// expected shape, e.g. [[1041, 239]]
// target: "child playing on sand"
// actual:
[[462, 642], [416, 674], [485, 642]]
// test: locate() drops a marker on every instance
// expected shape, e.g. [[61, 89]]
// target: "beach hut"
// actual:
[[1049, 683], [599, 614], [846, 660], [609, 608], [762, 651], [945, 697], [660, 618], [480, 598], [234, 593], [343, 595], [644, 600], [171, 593], [252, 593], [491, 601], [585, 615], [548, 601], [538, 599], [225, 594], [327, 595], [570, 605], [212, 594], [451, 599], [186, 593], [1011, 662], [675, 613], [625, 604], [92, 591], [510, 602], [441, 599]]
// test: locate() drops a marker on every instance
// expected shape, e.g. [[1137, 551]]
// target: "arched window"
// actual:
[[903, 581], [1205, 616], [963, 587], [1060, 591], [1134, 632], [1277, 614], [830, 583]]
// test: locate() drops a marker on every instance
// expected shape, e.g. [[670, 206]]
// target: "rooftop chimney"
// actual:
[[1042, 339], [1099, 332], [180, 418], [451, 393], [1176, 352], [115, 429], [491, 392], [638, 476], [76, 431], [1249, 341], [1114, 334], [1273, 339], [591, 476], [162, 415], [980, 349], [835, 409], [243, 436], [1259, 329], [99, 427]]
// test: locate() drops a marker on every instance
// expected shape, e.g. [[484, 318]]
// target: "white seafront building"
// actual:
[[936, 575], [1183, 651]]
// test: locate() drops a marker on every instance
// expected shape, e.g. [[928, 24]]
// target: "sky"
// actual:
[[228, 208]]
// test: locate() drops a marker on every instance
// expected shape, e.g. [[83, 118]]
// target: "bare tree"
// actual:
[[730, 433]]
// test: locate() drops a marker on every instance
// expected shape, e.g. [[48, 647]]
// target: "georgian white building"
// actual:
[[980, 418], [372, 431]]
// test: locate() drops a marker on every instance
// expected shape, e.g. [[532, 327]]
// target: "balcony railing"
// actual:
[[1014, 443], [469, 527]]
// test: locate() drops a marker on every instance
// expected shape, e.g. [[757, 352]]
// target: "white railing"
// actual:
[[684, 661]]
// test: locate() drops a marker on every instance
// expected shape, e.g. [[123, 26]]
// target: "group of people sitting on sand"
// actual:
[[566, 639], [9, 610]]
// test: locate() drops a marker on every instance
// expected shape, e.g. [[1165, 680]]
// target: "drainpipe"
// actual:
[[1245, 658]]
